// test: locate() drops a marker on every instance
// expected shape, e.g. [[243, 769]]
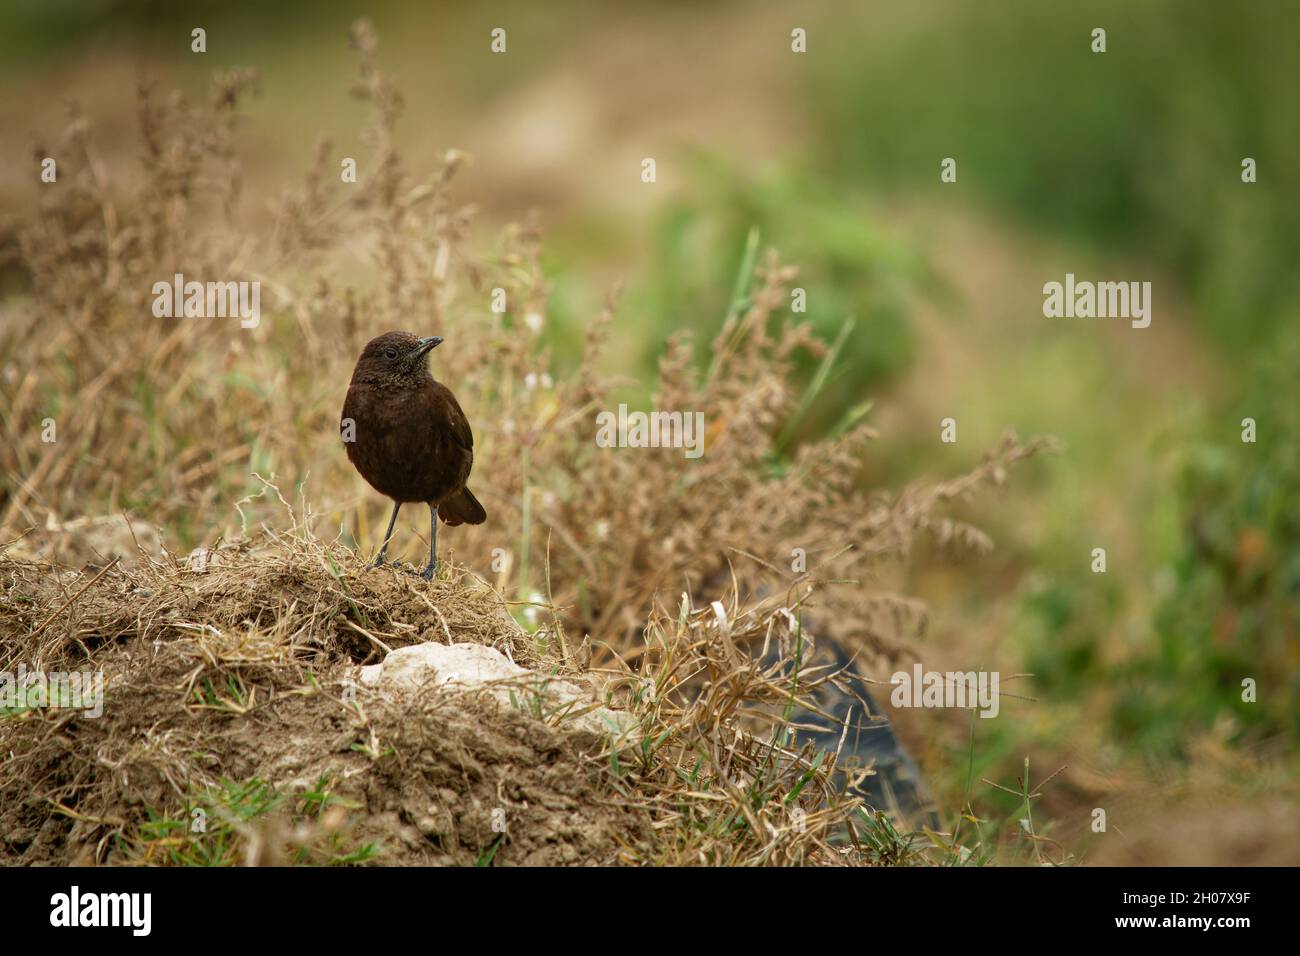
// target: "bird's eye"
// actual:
[[391, 353]]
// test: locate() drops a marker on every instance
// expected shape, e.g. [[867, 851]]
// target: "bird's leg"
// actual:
[[379, 561], [432, 566]]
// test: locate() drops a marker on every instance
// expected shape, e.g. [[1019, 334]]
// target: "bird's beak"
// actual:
[[428, 345]]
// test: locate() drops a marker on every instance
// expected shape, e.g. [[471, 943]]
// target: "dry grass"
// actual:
[[225, 691], [671, 578]]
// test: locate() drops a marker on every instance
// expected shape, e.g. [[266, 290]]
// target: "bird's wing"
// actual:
[[460, 430]]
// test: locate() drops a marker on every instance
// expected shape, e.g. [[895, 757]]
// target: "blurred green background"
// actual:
[[1124, 165]]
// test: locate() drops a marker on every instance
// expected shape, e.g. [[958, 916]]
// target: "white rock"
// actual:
[[417, 664], [473, 667]]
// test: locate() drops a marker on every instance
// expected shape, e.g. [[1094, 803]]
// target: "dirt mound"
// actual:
[[226, 709], [232, 726], [298, 603]]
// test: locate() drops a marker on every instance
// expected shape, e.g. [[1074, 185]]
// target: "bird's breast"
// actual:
[[400, 443]]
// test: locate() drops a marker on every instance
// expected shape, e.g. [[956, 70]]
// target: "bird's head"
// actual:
[[395, 358]]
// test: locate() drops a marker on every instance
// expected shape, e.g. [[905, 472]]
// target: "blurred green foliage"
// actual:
[[1233, 610], [851, 268], [1136, 151]]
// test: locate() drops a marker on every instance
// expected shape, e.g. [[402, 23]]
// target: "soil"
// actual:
[[245, 674]]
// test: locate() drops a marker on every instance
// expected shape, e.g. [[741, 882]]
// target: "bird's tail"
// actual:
[[461, 508]]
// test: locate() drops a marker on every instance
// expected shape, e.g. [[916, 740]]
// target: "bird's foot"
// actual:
[[430, 571]]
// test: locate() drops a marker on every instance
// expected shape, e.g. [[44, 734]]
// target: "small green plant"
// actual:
[[883, 843], [215, 829]]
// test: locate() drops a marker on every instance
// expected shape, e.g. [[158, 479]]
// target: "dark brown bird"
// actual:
[[408, 437]]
